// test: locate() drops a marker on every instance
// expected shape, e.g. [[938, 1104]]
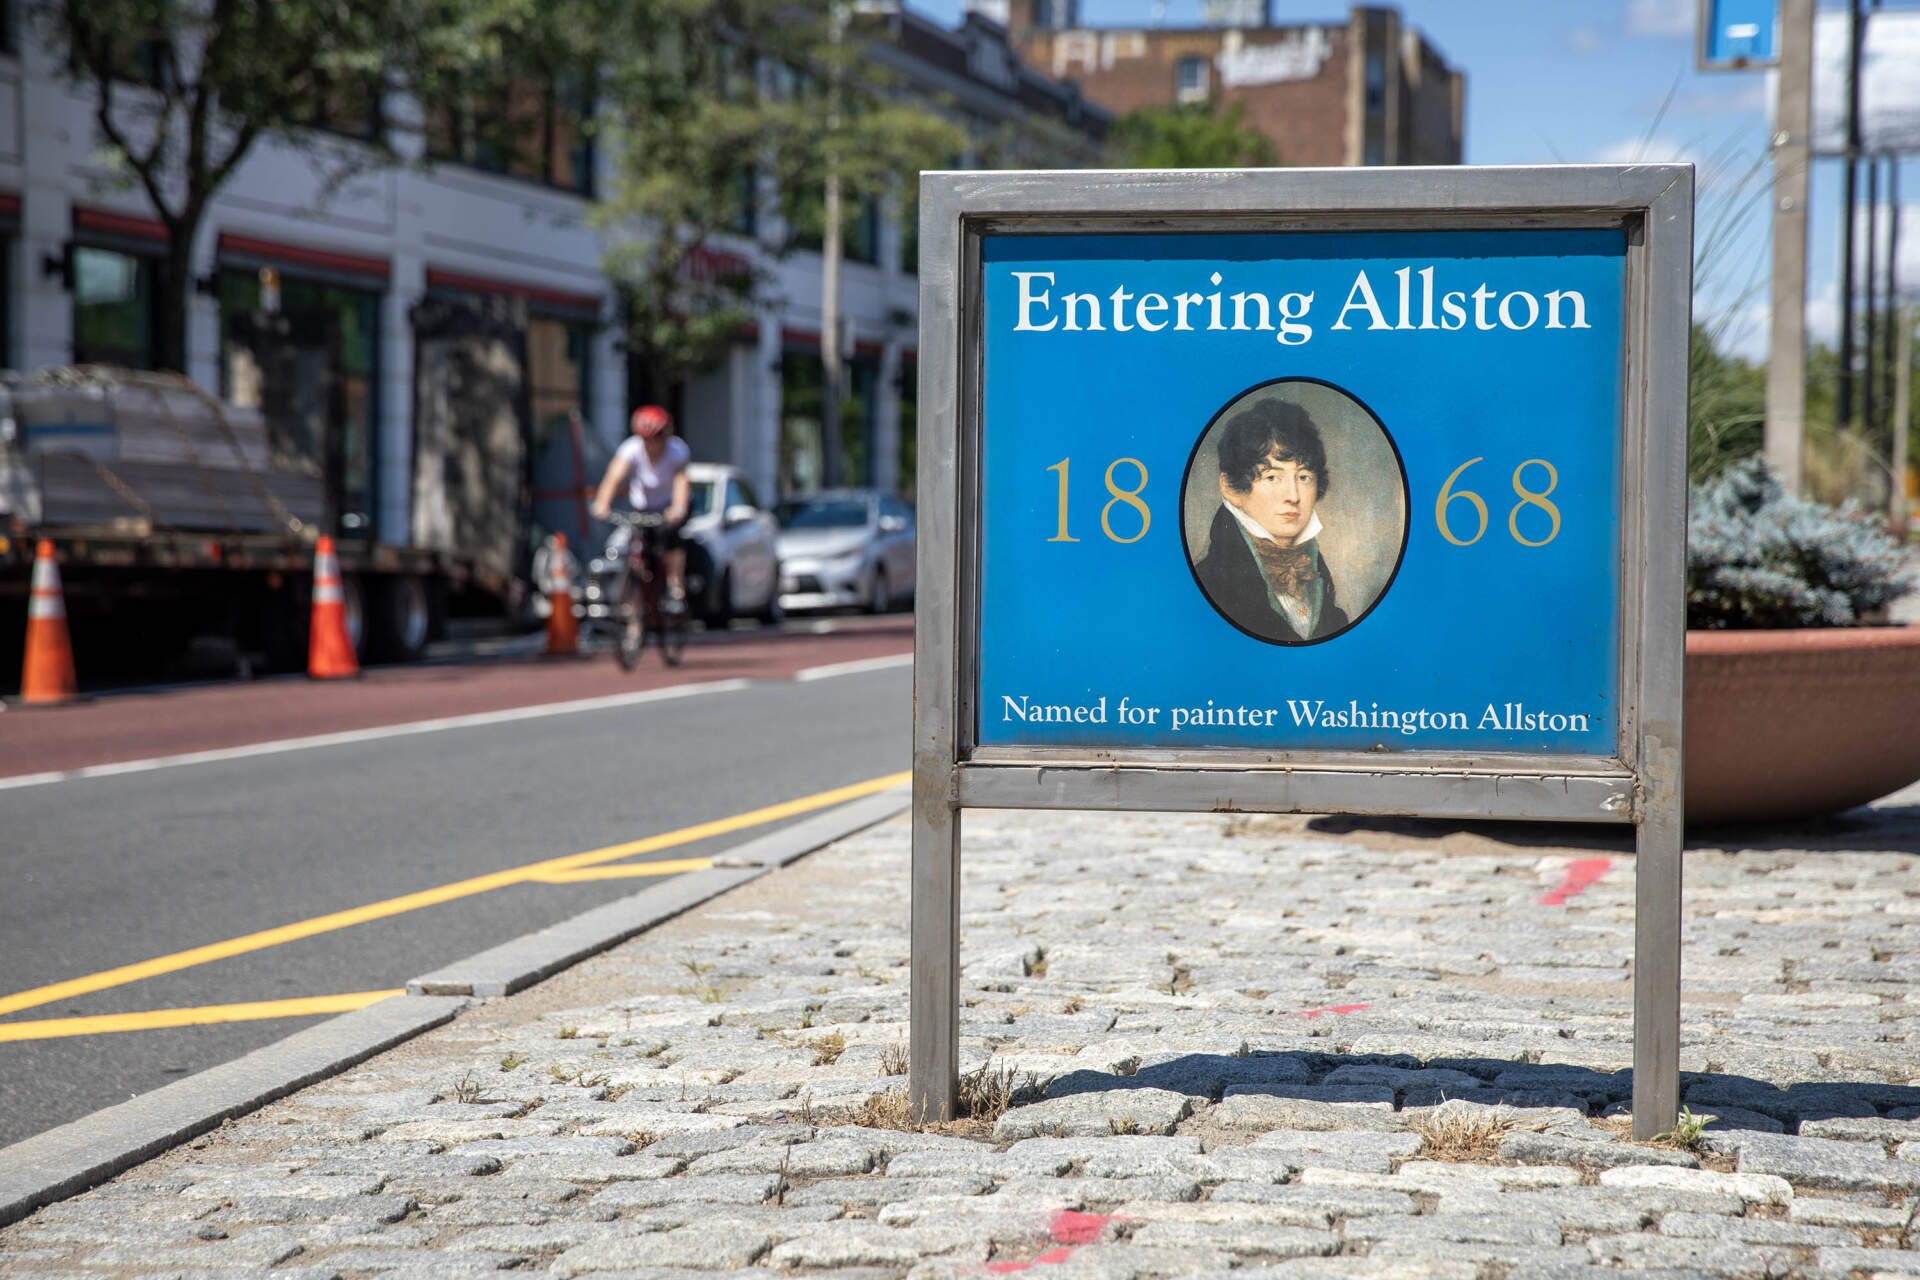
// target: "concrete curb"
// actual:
[[802, 838], [514, 966], [60, 1162]]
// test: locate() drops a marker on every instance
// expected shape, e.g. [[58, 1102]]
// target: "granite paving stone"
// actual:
[[1199, 1045]]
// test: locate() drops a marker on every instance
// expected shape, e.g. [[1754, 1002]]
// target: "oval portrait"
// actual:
[[1294, 511]]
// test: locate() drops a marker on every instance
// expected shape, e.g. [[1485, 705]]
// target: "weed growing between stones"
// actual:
[[567, 1033], [1463, 1134], [885, 1110], [827, 1049], [512, 1060], [468, 1090], [1686, 1132], [705, 992], [893, 1060]]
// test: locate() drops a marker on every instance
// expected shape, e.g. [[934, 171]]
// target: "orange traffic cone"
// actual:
[[47, 674], [329, 650], [563, 629]]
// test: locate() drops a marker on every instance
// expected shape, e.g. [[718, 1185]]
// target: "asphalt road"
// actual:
[[112, 870]]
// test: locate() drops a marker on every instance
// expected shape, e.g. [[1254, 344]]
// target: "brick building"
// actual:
[[1369, 90]]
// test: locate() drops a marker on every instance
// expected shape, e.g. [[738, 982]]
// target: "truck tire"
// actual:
[[353, 607], [401, 618], [283, 629]]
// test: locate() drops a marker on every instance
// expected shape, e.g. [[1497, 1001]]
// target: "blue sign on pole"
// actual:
[[1305, 492], [1739, 35]]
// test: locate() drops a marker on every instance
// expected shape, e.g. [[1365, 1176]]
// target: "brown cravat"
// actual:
[[1288, 569]]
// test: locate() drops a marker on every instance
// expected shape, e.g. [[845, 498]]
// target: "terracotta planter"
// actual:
[[1792, 724]]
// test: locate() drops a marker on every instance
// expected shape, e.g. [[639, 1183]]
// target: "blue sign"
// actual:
[[1311, 491], [1739, 33]]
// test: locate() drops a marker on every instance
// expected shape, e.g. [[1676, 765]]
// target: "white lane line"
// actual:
[[850, 668], [374, 734]]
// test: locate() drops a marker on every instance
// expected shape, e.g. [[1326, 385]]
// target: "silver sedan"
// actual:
[[843, 548]]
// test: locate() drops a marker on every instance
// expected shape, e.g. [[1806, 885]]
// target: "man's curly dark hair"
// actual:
[[1276, 429]]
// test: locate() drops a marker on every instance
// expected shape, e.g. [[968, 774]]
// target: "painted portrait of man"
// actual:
[[1267, 566]]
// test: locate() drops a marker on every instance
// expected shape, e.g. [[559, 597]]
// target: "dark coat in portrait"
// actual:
[[1233, 581]]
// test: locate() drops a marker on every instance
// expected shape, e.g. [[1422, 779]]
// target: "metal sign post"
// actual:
[[1303, 491]]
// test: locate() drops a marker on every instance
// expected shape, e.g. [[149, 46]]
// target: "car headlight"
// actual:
[[849, 559]]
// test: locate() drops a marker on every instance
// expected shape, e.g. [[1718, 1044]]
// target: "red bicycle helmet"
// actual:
[[651, 420]]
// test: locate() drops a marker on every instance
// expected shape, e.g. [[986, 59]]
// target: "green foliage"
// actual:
[[1726, 408], [209, 80], [706, 101], [1758, 557], [1189, 136]]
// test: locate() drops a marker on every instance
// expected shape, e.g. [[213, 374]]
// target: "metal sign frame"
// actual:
[[1639, 785]]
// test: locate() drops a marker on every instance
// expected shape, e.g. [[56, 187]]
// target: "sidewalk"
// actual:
[[1292, 1047]]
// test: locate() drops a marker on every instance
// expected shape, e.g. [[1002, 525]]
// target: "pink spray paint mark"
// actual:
[[1007, 1268], [1069, 1226], [1580, 873], [1329, 1008], [1055, 1255]]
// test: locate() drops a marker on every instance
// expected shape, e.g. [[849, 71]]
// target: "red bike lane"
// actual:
[[115, 728]]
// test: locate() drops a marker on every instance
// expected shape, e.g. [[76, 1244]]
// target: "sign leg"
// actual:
[[1656, 972], [933, 1080]]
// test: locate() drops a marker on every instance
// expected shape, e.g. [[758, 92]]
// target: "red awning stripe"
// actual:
[[9, 205], [297, 255], [438, 278], [106, 222], [811, 338]]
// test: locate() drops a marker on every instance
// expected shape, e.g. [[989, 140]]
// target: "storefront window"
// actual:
[[530, 126], [802, 460], [557, 352], [113, 302], [307, 352], [909, 428], [558, 467]]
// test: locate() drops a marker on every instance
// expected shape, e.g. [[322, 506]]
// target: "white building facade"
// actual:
[[316, 268]]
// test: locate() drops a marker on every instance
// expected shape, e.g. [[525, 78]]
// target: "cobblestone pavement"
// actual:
[[1283, 1047]]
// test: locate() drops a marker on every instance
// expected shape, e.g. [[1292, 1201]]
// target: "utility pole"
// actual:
[[1786, 426], [1869, 391], [1903, 322], [832, 367], [1888, 339], [1855, 34]]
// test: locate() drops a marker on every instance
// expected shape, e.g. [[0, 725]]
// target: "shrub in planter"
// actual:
[[1758, 557], [1796, 704]]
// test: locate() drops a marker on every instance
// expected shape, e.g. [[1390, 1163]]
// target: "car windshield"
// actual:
[[830, 513], [699, 497]]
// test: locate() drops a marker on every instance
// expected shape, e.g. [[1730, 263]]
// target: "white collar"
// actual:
[[1254, 529]]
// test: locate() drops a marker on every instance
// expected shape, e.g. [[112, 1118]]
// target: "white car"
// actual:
[[733, 567], [845, 547]]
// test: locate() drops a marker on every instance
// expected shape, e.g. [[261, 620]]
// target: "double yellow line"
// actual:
[[572, 868]]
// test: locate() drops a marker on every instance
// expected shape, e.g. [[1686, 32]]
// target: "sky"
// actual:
[[1612, 81]]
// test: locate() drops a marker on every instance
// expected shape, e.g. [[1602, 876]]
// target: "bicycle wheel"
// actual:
[[673, 635], [629, 637]]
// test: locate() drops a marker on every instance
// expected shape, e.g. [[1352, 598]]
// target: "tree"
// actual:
[[184, 89], [1189, 136], [690, 129], [852, 133]]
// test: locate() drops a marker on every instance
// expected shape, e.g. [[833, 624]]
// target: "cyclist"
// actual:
[[653, 462]]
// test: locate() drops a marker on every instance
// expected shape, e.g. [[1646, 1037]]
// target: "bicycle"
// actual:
[[636, 598]]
